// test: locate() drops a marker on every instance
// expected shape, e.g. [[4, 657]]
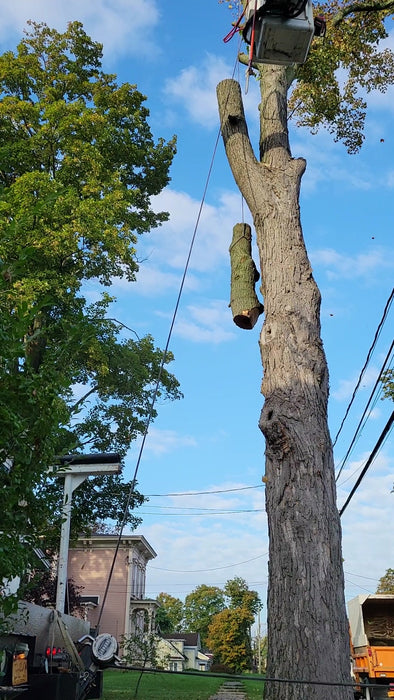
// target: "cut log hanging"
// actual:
[[245, 306]]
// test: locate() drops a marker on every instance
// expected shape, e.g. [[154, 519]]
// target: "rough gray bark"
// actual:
[[307, 624]]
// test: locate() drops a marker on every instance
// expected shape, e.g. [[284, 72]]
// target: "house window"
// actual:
[[173, 665]]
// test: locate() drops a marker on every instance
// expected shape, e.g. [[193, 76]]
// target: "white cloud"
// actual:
[[199, 237], [201, 547], [154, 280], [123, 26], [346, 386], [206, 548], [195, 90], [161, 442], [195, 544], [208, 323], [164, 252], [367, 523], [328, 162], [346, 266]]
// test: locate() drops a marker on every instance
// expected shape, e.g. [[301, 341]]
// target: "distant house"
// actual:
[[126, 609], [181, 651]]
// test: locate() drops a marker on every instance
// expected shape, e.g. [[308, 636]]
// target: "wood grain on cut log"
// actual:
[[245, 306]]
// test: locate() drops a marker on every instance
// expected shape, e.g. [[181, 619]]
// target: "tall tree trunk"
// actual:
[[308, 636]]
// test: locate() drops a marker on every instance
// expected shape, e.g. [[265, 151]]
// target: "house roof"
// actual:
[[110, 541], [191, 639], [174, 651]]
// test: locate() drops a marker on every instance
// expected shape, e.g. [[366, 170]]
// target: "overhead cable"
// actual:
[[258, 679], [214, 512], [203, 493], [378, 330], [383, 369], [216, 568], [371, 458]]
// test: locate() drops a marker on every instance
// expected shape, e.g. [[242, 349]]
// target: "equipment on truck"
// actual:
[[371, 620], [54, 655], [47, 652]]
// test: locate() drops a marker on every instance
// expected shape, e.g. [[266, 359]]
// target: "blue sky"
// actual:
[[210, 441]]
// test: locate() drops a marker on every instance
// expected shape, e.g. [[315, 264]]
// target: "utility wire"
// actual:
[[371, 458], [155, 393], [203, 493], [260, 679], [378, 330], [216, 568], [206, 510], [383, 368], [199, 515]]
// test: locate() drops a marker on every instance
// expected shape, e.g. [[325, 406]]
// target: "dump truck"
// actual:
[[371, 621]]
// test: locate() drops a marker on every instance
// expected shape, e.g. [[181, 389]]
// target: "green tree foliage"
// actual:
[[201, 605], [229, 633], [78, 166], [43, 592], [325, 97], [386, 583], [169, 616], [329, 89], [228, 638], [239, 594], [388, 384]]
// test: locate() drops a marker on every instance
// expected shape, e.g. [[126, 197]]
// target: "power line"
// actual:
[[371, 458], [367, 578], [214, 512], [383, 368], [357, 586], [216, 568], [202, 510], [203, 493], [377, 333]]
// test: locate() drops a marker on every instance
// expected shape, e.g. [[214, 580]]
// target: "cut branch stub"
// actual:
[[245, 306]]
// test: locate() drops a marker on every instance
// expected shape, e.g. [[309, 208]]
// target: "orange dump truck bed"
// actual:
[[371, 619]]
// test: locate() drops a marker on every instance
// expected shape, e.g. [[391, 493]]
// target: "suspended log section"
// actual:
[[245, 306]]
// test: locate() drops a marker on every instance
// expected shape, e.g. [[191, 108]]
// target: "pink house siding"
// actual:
[[89, 565]]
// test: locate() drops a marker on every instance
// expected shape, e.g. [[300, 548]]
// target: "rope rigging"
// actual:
[[157, 385], [288, 9]]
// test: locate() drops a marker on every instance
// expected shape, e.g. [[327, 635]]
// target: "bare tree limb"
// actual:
[[82, 399], [362, 7]]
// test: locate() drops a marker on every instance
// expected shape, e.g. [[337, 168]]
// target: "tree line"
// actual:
[[223, 618]]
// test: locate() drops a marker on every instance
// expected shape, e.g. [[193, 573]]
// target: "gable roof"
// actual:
[[175, 653], [191, 639]]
